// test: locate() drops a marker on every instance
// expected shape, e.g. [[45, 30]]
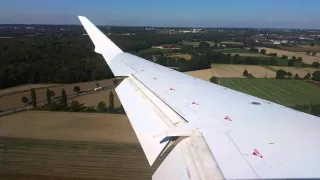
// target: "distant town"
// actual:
[[265, 36]]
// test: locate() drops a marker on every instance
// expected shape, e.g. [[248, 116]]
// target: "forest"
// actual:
[[57, 57]]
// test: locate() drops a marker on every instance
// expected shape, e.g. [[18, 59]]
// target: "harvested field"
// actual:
[[300, 71], [222, 70], [304, 49], [185, 56], [306, 58], [68, 126], [26, 87], [204, 74], [94, 98], [14, 100], [285, 92], [57, 145]]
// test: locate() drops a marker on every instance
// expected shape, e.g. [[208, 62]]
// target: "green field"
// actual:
[[235, 50], [196, 43], [286, 92], [155, 51]]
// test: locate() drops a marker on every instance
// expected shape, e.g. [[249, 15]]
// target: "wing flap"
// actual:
[[148, 116]]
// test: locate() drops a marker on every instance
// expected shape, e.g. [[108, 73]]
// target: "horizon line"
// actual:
[[1, 24]]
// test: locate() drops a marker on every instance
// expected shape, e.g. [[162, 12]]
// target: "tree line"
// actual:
[[61, 103]]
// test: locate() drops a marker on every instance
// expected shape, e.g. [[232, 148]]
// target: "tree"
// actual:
[[228, 54], [75, 106], [52, 93], [300, 59], [54, 106], [24, 100], [280, 74], [316, 76], [204, 45], [76, 89], [214, 80], [254, 50], [296, 76], [111, 102], [289, 74], [263, 51], [115, 82], [314, 53], [97, 84], [33, 98], [294, 58], [63, 100], [284, 57], [315, 64], [102, 107], [245, 73], [48, 96], [307, 76]]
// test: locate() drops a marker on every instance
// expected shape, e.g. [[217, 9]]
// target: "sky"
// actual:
[[166, 13]]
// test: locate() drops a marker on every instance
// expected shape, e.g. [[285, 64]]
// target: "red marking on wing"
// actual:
[[257, 153], [195, 103], [227, 118], [171, 89]]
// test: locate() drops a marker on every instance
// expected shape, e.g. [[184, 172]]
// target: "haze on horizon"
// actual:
[[167, 13]]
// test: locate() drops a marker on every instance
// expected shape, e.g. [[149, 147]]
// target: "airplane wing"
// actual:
[[218, 133]]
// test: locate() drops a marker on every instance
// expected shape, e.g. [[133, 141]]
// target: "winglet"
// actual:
[[103, 45]]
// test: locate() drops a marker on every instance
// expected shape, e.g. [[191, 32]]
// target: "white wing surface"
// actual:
[[227, 134]]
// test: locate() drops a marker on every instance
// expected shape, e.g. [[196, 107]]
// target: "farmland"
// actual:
[[14, 100], [155, 51], [306, 58], [294, 70], [227, 71], [303, 48], [285, 92], [26, 87], [231, 42], [94, 98], [196, 43], [57, 145], [235, 50], [185, 56]]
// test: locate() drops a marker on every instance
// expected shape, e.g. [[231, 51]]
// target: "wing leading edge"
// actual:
[[247, 137]]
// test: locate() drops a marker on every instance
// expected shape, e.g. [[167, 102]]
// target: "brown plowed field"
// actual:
[[56, 145]]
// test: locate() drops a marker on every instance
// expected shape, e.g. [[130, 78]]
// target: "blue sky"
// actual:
[[191, 13]]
